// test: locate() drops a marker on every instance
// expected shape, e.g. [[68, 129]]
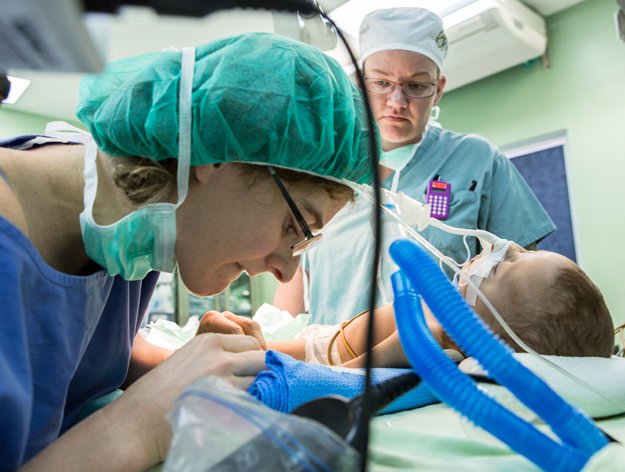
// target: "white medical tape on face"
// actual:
[[481, 268]]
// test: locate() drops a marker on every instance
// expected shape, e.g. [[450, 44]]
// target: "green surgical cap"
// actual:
[[257, 98]]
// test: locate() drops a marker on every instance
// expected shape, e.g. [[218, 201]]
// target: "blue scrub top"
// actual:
[[499, 201], [64, 341]]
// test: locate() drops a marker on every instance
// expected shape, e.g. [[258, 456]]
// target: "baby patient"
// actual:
[[547, 300]]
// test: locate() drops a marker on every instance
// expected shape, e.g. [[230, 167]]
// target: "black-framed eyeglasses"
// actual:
[[310, 239], [410, 89]]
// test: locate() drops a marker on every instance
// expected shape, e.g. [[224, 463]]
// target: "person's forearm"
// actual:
[[388, 353], [132, 433], [108, 441], [294, 348], [356, 332], [144, 357]]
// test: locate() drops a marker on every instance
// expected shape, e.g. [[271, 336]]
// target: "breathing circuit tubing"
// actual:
[[404, 212], [420, 276]]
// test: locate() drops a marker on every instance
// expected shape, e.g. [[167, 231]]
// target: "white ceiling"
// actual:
[[549, 7], [135, 31]]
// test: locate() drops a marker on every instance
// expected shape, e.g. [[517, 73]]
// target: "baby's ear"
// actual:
[[204, 172]]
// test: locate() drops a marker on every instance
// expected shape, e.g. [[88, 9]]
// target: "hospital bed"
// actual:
[[437, 438]]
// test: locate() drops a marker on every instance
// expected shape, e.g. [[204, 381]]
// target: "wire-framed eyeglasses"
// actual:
[[310, 239], [410, 89]]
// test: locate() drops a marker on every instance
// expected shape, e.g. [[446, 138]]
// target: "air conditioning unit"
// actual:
[[488, 36]]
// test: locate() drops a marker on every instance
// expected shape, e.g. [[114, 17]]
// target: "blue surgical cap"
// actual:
[[257, 98]]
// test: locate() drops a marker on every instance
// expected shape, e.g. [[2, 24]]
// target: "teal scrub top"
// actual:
[[499, 201]]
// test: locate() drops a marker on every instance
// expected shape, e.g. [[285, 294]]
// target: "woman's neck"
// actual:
[[48, 185]]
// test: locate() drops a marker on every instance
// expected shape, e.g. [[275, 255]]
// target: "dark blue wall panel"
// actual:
[[545, 173]]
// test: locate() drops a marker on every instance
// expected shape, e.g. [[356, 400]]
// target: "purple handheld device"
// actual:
[[439, 197]]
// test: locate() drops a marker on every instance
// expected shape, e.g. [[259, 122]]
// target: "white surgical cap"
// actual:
[[409, 29]]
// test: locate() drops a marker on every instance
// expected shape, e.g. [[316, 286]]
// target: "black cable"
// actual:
[[361, 441], [199, 8]]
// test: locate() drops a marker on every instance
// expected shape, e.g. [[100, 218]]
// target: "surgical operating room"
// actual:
[[312, 235]]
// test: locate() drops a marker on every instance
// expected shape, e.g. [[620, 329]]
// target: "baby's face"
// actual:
[[521, 275], [480, 268], [471, 267]]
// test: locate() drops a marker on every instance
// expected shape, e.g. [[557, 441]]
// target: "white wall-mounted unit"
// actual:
[[488, 36]]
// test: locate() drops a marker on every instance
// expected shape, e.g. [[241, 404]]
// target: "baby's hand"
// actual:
[[229, 323]]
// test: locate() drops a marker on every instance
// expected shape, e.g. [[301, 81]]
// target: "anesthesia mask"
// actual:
[[145, 239], [481, 267]]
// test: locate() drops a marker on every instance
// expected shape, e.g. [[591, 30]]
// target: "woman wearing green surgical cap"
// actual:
[[216, 160]]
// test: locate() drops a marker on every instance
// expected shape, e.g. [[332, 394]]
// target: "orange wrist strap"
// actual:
[[343, 338]]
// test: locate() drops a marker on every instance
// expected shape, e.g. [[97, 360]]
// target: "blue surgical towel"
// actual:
[[289, 383]]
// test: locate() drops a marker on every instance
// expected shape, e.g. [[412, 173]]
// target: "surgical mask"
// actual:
[[145, 239], [396, 159], [483, 266]]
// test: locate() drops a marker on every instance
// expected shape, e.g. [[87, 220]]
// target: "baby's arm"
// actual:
[[388, 353], [328, 344], [324, 339], [387, 348], [355, 331]]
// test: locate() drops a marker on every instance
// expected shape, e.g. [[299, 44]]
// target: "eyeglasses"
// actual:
[[410, 89], [310, 239]]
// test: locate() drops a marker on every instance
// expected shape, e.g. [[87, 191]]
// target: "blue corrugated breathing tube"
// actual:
[[419, 276]]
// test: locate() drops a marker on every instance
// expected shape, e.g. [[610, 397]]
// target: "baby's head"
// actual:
[[550, 303]]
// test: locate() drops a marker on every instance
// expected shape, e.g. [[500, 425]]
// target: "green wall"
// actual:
[[580, 93], [14, 122]]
